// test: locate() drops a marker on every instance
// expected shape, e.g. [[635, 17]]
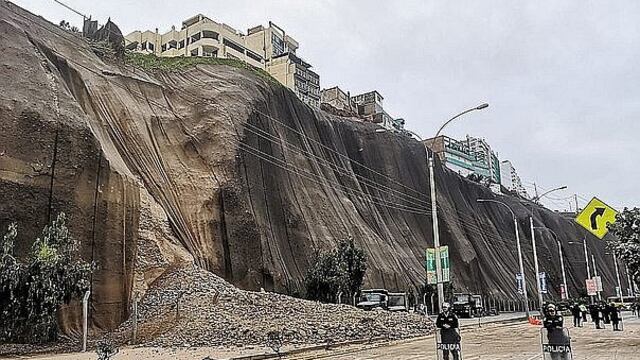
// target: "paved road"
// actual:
[[513, 341]]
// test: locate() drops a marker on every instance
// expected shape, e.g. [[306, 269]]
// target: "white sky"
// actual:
[[562, 77]]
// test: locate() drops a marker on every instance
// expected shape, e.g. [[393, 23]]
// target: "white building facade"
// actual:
[[510, 179]]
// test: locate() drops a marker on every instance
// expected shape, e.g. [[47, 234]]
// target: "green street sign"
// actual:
[[445, 264], [430, 265]]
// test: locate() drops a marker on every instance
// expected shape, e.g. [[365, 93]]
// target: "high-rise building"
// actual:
[[511, 180], [486, 156], [268, 48]]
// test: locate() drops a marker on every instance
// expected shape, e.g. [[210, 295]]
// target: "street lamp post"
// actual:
[[515, 224], [535, 263], [564, 275], [586, 258], [537, 198], [434, 210], [595, 274], [615, 264]]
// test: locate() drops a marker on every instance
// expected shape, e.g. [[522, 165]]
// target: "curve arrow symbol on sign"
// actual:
[[599, 211]]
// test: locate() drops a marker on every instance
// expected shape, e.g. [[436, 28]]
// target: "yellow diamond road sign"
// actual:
[[595, 217]]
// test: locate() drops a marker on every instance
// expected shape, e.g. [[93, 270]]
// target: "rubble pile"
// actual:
[[192, 307]]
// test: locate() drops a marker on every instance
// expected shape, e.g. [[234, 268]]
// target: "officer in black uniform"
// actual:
[[447, 322], [554, 324]]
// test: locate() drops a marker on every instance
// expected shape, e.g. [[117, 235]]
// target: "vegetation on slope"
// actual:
[[151, 62]]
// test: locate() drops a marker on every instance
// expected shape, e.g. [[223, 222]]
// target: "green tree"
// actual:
[[32, 291], [626, 240], [339, 270], [353, 261]]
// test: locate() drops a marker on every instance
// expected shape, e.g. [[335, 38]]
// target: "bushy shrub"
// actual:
[[339, 270], [31, 291]]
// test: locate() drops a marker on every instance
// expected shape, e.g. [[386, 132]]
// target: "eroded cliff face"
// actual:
[[217, 166]]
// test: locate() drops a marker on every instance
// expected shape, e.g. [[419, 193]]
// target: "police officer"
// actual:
[[447, 322], [594, 309], [577, 314], [616, 317], [554, 324]]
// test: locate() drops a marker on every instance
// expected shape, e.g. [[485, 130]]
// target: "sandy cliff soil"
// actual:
[[216, 166]]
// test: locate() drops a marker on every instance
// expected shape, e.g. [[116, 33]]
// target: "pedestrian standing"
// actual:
[[447, 322], [594, 309], [616, 317], [583, 310], [577, 314], [605, 312]]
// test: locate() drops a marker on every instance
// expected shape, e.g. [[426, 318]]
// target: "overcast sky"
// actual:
[[562, 77]]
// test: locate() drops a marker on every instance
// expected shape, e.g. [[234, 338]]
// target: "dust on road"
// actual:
[[519, 341]]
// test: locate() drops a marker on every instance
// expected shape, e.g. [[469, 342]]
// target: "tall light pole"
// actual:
[[515, 224], [595, 274], [434, 209], [537, 198], [535, 263], [615, 264], [586, 258], [564, 274]]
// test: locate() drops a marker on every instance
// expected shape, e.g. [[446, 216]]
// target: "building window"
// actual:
[[181, 44], [206, 34], [151, 47], [254, 56], [233, 45], [195, 37], [194, 52], [277, 44]]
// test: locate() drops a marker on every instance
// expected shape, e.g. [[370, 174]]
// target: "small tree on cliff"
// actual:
[[626, 240], [340, 270], [32, 291], [354, 266]]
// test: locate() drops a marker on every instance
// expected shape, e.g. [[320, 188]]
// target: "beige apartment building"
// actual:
[[268, 48]]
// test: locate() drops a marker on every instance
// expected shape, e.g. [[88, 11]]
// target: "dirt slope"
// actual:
[[217, 166]]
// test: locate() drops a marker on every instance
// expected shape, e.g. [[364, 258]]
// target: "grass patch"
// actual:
[[152, 63]]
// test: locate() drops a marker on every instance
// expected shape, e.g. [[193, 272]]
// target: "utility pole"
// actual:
[[535, 263], [575, 197]]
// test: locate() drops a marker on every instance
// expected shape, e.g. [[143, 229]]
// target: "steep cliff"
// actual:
[[219, 165]]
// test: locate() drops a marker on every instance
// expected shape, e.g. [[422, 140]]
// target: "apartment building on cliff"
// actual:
[[268, 48], [469, 156], [370, 107], [510, 179]]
